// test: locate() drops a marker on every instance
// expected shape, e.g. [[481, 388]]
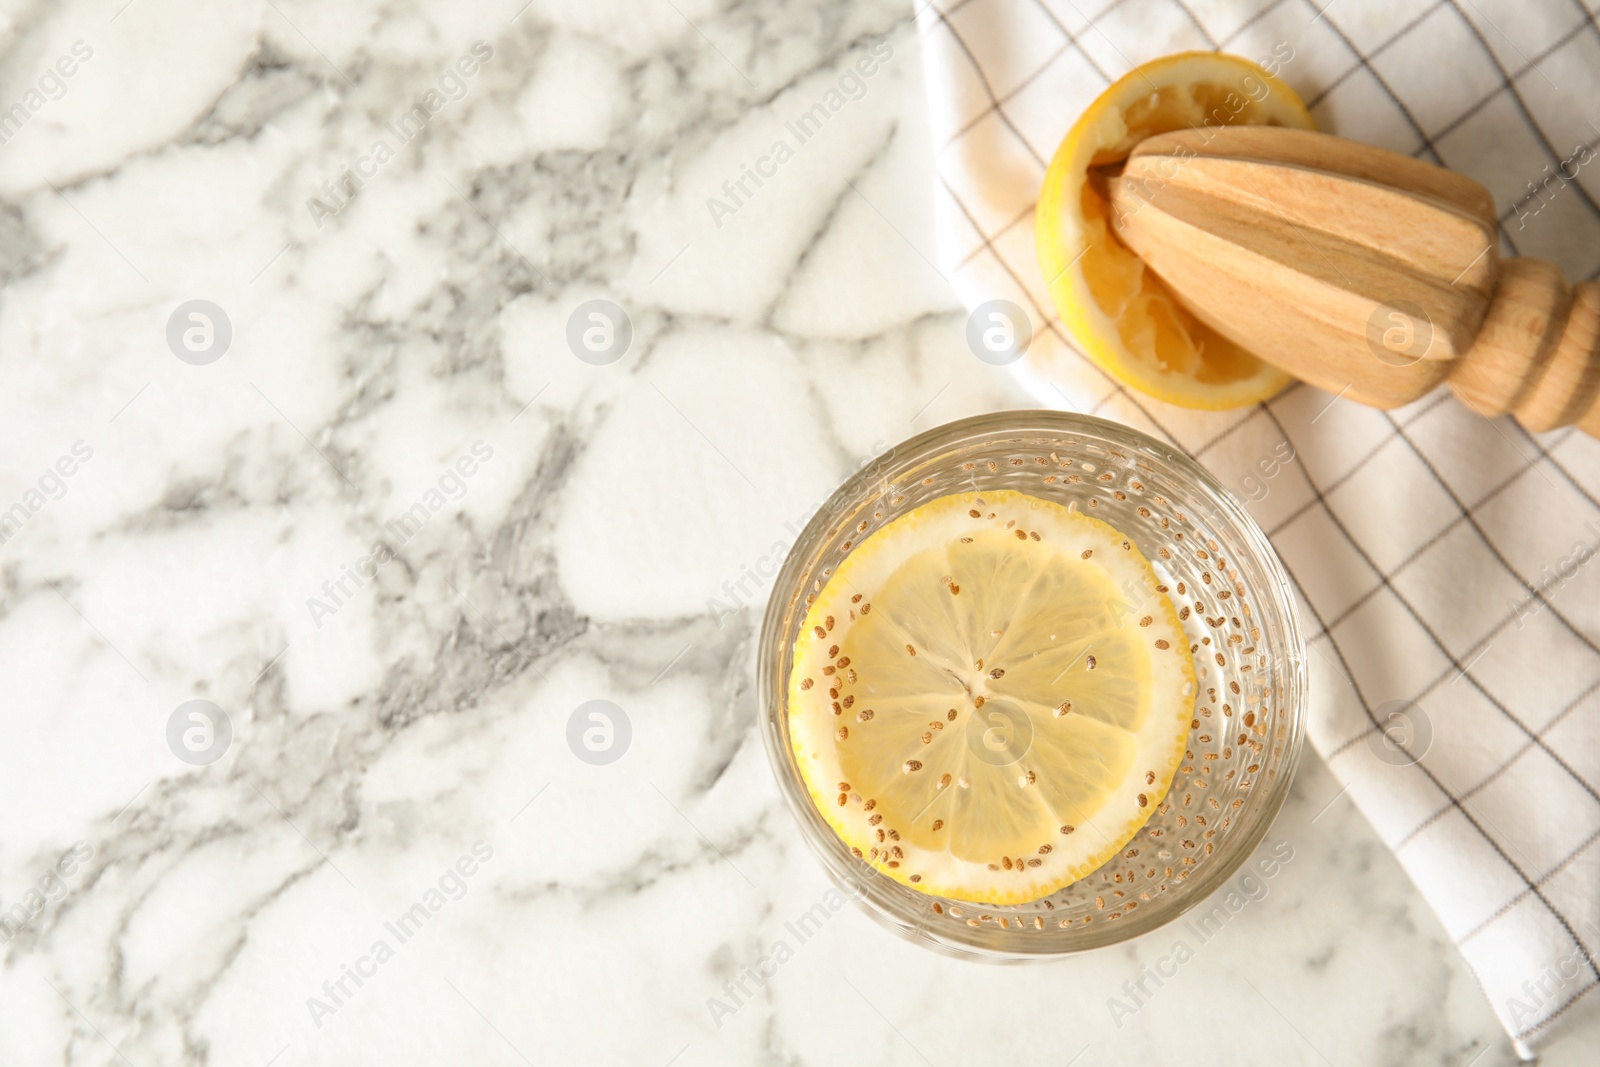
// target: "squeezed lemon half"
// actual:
[[990, 696], [1122, 316]]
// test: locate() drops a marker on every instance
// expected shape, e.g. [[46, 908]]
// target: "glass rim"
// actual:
[[775, 654]]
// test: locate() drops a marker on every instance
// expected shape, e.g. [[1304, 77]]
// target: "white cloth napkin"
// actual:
[[1443, 561]]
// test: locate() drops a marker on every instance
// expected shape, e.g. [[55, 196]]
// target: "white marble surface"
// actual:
[[592, 555]]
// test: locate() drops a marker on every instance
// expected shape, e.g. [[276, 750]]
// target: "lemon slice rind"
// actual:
[[1115, 650]]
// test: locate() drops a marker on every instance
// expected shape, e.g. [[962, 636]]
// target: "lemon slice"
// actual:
[[990, 697], [1121, 315]]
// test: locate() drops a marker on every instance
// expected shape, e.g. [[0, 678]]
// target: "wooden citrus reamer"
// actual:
[[1361, 271]]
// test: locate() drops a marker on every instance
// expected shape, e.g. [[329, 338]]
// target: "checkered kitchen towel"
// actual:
[[1443, 561]]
